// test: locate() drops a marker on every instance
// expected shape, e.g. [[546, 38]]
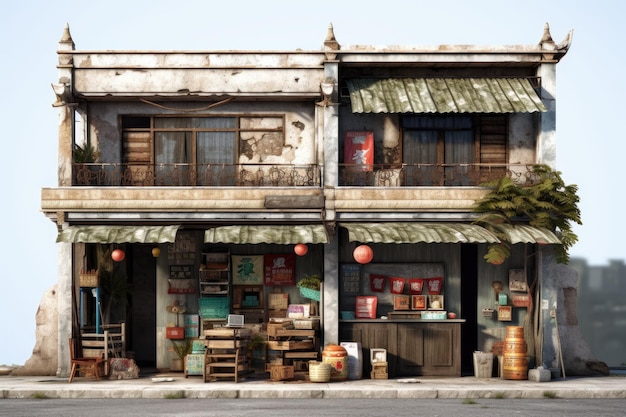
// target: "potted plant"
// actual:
[[182, 349], [83, 156], [310, 286]]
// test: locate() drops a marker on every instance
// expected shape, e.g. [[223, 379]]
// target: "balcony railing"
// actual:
[[277, 175], [434, 175], [208, 175]]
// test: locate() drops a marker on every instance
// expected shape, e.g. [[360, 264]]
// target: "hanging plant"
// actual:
[[547, 203]]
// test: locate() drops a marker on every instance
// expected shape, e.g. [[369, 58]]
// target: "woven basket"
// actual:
[[319, 371], [88, 279], [309, 293]]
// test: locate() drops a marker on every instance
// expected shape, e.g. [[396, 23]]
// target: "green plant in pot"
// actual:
[[310, 286], [182, 349]]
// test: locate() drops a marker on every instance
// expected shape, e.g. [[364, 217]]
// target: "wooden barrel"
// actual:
[[514, 346], [515, 366], [515, 361], [515, 332]]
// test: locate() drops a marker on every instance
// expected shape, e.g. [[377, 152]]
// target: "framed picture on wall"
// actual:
[[505, 313], [418, 302]]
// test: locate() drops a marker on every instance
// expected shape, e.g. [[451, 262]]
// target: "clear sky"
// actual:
[[590, 86]]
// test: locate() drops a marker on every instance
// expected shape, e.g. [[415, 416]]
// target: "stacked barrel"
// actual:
[[515, 361]]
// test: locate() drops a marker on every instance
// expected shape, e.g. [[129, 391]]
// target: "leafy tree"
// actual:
[[547, 202]]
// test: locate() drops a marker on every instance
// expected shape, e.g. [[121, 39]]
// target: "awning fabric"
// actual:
[[284, 234], [118, 234], [443, 95], [522, 233], [444, 233], [418, 232]]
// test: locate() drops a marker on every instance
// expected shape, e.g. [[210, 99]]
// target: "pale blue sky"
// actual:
[[590, 88]]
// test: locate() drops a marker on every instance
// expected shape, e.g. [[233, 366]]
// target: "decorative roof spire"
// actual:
[[330, 43], [66, 39], [546, 40]]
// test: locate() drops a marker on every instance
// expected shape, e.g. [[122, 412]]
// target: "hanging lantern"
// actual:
[[118, 255], [363, 254], [156, 252], [301, 249]]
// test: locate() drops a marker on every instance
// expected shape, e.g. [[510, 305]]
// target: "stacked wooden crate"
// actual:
[[226, 353], [290, 346], [378, 359]]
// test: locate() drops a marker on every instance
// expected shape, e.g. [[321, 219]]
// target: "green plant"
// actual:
[[546, 203], [549, 394], [39, 395], [85, 154], [312, 282], [182, 348], [257, 342], [468, 400], [177, 395]]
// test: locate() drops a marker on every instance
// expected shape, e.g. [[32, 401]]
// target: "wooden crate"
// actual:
[[289, 344], [379, 370], [281, 372]]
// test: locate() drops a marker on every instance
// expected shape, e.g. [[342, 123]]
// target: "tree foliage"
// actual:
[[546, 203]]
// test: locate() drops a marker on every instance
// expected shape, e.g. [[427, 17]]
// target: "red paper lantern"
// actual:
[[301, 249], [363, 254], [118, 255]]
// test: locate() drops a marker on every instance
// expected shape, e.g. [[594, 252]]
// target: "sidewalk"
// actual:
[[177, 386]]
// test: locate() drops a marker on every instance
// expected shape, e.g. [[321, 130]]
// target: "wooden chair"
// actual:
[[110, 344], [89, 366]]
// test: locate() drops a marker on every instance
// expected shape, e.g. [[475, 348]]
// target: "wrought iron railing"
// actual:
[[433, 175], [208, 175], [278, 175]]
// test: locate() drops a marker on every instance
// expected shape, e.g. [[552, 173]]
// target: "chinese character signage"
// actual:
[[280, 269], [358, 149], [248, 270]]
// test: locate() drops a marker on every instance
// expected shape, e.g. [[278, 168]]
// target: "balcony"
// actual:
[[430, 175], [279, 175], [208, 175]]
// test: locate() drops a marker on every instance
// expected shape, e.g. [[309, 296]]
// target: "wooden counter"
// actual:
[[414, 347]]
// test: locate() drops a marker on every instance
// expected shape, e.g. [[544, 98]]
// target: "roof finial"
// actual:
[[67, 37], [546, 40], [330, 43]]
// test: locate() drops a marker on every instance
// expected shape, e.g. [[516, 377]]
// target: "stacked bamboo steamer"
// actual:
[[515, 361]]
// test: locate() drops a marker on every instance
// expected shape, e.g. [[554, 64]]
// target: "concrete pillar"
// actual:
[[64, 300], [546, 140], [330, 302]]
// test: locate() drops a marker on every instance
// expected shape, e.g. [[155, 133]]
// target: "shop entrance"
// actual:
[[469, 306]]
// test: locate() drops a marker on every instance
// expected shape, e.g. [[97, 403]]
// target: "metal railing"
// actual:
[[207, 175], [433, 175], [279, 175]]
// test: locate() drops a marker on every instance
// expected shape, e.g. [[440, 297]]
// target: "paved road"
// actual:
[[311, 407]]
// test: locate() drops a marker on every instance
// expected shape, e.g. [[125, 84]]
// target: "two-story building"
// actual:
[[250, 153]]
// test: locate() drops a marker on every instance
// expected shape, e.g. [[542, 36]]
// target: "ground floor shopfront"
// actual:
[[485, 298]]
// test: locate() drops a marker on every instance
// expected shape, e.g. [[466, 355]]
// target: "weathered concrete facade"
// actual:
[[294, 112]]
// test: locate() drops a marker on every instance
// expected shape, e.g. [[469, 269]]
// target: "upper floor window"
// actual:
[[452, 149], [195, 150]]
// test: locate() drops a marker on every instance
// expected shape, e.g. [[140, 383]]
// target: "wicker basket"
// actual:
[[319, 371], [309, 293], [88, 279]]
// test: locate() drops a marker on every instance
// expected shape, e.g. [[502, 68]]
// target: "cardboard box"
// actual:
[[281, 372]]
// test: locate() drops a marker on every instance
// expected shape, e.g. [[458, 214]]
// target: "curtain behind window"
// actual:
[[423, 136]]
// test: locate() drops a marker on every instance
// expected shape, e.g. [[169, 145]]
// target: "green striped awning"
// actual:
[[445, 233], [280, 234], [118, 234], [418, 233], [443, 95]]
